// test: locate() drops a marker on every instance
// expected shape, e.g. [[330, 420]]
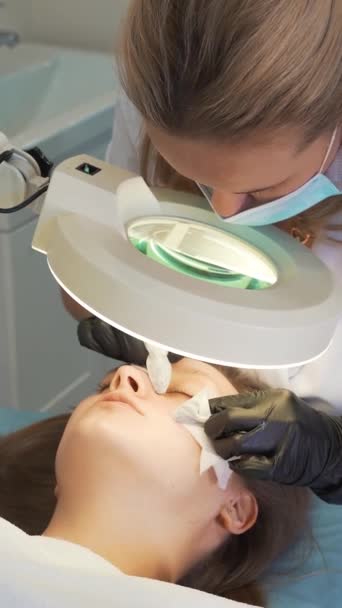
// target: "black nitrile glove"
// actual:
[[280, 438], [107, 340]]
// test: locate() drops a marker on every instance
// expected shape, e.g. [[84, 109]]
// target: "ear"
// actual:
[[240, 512]]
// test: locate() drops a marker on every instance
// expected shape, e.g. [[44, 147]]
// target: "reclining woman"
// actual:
[[120, 477]]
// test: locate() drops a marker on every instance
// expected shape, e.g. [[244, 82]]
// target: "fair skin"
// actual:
[[263, 168], [128, 477]]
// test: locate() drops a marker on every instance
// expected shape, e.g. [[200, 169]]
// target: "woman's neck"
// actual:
[[114, 539]]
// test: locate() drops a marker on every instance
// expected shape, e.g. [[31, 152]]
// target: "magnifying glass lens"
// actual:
[[202, 252]]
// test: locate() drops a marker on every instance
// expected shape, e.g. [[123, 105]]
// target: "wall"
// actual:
[[14, 14], [91, 24]]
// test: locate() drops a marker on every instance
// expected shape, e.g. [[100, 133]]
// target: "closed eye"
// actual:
[[102, 387]]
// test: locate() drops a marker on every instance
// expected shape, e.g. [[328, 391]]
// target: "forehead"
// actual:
[[230, 166]]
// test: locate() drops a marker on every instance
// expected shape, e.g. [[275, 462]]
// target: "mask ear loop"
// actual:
[[307, 238], [330, 147]]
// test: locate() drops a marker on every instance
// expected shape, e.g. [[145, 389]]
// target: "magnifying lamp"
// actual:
[[161, 266]]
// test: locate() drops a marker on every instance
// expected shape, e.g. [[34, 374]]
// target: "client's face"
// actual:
[[129, 427], [124, 446]]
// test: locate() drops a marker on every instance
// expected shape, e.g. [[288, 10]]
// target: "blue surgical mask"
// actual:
[[317, 189]]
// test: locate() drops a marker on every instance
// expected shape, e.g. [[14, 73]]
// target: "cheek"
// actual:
[[158, 450], [69, 462], [174, 457], [151, 452], [82, 452]]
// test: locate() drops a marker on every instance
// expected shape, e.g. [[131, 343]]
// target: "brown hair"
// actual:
[[27, 499], [232, 69]]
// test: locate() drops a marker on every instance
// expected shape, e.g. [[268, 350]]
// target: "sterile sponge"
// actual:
[[158, 367], [192, 414]]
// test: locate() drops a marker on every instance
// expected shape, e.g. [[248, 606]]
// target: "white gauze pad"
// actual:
[[159, 368], [192, 415]]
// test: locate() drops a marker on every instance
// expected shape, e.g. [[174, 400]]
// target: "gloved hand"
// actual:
[[107, 340], [281, 439]]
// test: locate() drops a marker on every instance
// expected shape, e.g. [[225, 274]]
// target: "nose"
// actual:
[[227, 204], [131, 379]]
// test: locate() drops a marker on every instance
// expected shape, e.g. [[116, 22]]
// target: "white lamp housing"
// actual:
[[89, 210]]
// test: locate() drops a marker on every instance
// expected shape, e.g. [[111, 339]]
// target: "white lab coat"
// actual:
[[41, 572], [321, 378]]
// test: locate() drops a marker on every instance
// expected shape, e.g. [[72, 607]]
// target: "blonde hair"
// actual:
[[232, 69]]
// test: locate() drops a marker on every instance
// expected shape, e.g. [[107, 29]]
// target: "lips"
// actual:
[[121, 399]]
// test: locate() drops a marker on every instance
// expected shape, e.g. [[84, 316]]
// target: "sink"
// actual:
[[24, 56], [23, 94], [61, 100], [49, 91]]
